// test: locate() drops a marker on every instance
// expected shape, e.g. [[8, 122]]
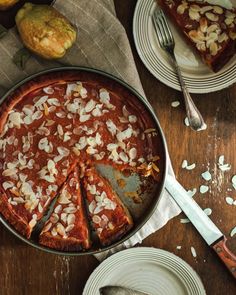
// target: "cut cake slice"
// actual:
[[67, 228], [210, 29], [110, 218]]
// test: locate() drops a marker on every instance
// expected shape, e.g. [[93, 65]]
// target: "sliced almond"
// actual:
[[92, 206], [32, 223], [40, 208], [212, 28], [63, 151], [206, 8], [46, 110], [218, 9], [90, 106], [47, 227], [41, 101], [181, 8], [49, 123], [125, 111], [70, 210], [53, 101], [7, 184], [69, 228], [60, 229], [213, 36], [98, 139], [54, 218], [92, 188], [96, 219], [9, 172], [43, 131], [213, 48], [51, 167], [64, 217], [149, 130], [61, 114], [111, 127], [122, 135], [91, 151], [28, 109], [84, 118], [60, 130], [211, 16], [123, 157], [201, 46], [58, 209], [91, 141], [97, 112], [54, 232], [133, 153], [132, 119], [63, 199], [223, 37], [104, 96], [229, 21], [71, 219], [15, 119], [48, 90], [67, 136], [195, 7], [194, 15]]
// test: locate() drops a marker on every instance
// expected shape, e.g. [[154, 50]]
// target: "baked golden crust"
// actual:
[[14, 219], [6, 4], [110, 218], [44, 30], [209, 29], [61, 244]]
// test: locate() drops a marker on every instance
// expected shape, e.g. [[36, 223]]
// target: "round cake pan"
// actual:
[[162, 150]]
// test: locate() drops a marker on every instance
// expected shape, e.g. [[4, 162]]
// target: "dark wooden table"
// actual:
[[24, 270]]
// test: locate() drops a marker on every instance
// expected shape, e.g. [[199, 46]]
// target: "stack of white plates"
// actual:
[[198, 77], [150, 270]]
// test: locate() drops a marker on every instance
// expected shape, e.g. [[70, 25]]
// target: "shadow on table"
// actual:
[[8, 239]]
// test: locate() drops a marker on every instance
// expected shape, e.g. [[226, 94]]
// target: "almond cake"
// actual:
[[57, 123], [210, 29]]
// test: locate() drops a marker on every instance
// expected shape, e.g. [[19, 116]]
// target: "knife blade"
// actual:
[[207, 229]]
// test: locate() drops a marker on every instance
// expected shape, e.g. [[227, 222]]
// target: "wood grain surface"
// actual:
[[25, 270]]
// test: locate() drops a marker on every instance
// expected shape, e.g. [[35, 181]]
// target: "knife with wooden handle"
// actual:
[[207, 229]]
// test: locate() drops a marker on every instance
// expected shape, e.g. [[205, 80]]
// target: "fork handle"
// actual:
[[196, 121]]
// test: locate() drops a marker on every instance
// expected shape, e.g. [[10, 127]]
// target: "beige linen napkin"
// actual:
[[102, 43]]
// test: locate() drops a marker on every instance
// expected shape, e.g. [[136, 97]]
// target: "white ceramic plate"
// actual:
[[198, 77], [150, 270]]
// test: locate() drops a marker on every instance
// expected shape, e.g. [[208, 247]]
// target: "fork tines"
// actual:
[[162, 28]]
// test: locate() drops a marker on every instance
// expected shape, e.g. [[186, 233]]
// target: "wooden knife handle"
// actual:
[[228, 258]]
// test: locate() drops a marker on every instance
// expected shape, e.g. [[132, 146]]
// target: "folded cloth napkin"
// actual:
[[103, 44]]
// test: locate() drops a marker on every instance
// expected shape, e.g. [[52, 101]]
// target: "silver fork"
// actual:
[[167, 43]]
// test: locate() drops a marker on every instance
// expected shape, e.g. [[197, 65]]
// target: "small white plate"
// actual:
[[149, 270], [198, 77]]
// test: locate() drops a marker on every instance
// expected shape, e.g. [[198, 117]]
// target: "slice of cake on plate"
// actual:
[[210, 29], [110, 218], [67, 227]]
